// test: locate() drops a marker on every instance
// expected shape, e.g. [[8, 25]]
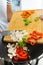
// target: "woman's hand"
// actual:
[[0, 31]]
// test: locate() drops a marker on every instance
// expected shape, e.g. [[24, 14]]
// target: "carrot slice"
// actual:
[[26, 14], [31, 41]]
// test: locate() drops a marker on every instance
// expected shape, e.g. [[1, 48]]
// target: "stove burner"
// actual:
[[37, 61]]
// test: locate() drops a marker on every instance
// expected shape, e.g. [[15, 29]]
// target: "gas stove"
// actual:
[[37, 61]]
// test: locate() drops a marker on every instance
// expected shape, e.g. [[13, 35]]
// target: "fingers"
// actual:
[[0, 31]]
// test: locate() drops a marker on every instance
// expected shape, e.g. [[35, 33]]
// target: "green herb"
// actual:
[[21, 44], [36, 18], [24, 19], [24, 38], [27, 21]]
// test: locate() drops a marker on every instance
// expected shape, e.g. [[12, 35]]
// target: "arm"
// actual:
[[9, 10]]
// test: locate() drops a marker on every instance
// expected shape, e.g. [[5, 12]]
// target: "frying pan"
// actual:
[[34, 52]]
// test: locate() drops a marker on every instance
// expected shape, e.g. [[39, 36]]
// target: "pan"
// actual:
[[35, 51]]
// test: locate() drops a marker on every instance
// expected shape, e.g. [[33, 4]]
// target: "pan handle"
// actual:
[[12, 63]]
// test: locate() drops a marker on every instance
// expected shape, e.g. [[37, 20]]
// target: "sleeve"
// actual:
[[9, 1]]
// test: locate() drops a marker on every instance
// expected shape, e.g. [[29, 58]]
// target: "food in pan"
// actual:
[[19, 51], [21, 54], [11, 50]]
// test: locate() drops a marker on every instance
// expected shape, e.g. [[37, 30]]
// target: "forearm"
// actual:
[[9, 12]]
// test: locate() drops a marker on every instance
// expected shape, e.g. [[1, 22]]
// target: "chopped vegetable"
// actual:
[[32, 11], [24, 38], [18, 35], [26, 14], [25, 48], [21, 53], [32, 41], [21, 44], [38, 33], [27, 21], [15, 58], [36, 19], [34, 37]]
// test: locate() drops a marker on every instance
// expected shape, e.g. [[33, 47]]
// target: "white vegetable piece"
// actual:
[[25, 48], [10, 56], [10, 50], [9, 45], [13, 37], [16, 44], [14, 53], [18, 35], [12, 45]]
